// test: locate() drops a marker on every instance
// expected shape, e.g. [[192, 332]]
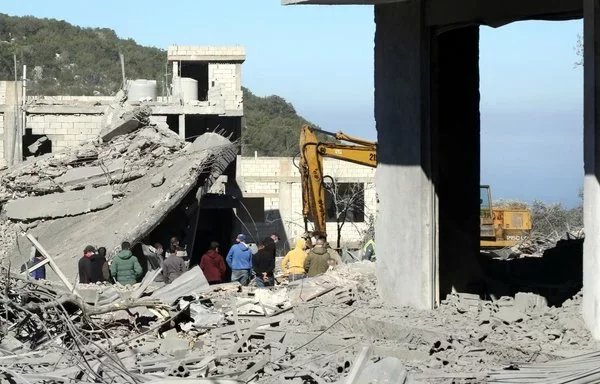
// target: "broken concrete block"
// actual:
[[80, 174], [508, 315], [389, 370], [127, 122], [173, 345], [150, 134], [528, 302], [33, 148], [56, 205], [157, 180], [209, 140]]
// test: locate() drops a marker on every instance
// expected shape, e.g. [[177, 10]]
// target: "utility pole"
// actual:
[[16, 122]]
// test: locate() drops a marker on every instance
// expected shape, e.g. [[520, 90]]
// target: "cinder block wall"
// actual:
[[277, 181], [65, 130], [224, 83]]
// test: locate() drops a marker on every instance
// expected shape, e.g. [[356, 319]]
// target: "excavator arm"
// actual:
[[312, 152]]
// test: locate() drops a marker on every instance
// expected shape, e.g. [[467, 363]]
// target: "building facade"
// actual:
[[272, 199], [206, 94]]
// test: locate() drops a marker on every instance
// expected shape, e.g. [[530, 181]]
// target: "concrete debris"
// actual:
[[33, 148], [69, 203], [58, 195], [125, 121], [157, 180], [330, 328]]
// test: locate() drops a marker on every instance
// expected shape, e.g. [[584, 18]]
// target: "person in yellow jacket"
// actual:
[[293, 262]]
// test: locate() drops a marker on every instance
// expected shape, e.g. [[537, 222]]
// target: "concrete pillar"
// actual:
[[591, 153], [12, 118], [455, 122], [406, 227], [182, 126]]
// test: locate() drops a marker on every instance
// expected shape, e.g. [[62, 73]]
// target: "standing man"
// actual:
[[125, 268], [85, 265], [369, 250], [263, 263], [99, 266], [212, 264], [173, 267], [317, 262], [239, 259]]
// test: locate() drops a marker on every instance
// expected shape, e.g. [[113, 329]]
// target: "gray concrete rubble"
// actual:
[[332, 328], [70, 203], [103, 192]]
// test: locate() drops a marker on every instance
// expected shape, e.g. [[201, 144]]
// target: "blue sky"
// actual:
[[320, 58]]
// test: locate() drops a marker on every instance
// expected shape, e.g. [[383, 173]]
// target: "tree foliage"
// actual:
[[549, 218], [63, 59], [272, 126], [70, 60]]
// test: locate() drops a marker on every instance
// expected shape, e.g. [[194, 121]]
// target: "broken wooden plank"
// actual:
[[53, 265]]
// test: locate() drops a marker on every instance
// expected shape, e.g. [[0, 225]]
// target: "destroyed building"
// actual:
[[138, 163]]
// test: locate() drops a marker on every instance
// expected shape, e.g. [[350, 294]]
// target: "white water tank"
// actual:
[[141, 89], [185, 88]]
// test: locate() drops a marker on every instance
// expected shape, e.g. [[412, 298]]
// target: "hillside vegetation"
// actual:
[[63, 59]]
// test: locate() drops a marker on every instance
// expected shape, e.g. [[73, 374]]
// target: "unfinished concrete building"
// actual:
[[428, 125], [205, 96], [272, 198]]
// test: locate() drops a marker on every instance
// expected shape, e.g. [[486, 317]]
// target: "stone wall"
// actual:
[[224, 85], [277, 181], [65, 130]]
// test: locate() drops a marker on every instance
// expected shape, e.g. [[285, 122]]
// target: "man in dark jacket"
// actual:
[[317, 261], [85, 265], [212, 264], [263, 263], [99, 267], [125, 267]]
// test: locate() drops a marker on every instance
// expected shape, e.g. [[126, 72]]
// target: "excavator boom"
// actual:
[[312, 152], [499, 227]]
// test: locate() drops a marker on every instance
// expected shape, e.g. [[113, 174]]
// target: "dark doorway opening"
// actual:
[[35, 145], [198, 71], [173, 123]]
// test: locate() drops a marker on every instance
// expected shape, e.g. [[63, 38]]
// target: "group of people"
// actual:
[[243, 260], [247, 262], [306, 261], [94, 268], [302, 261]]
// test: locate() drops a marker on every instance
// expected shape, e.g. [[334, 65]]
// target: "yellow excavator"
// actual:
[[500, 227]]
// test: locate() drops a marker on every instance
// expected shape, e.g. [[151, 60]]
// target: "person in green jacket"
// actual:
[[317, 261], [125, 267]]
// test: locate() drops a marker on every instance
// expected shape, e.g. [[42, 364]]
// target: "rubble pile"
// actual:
[[125, 182], [331, 328], [91, 164]]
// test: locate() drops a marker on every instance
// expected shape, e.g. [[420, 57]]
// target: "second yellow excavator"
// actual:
[[499, 227]]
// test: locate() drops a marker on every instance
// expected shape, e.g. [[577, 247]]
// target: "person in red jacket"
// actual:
[[213, 265]]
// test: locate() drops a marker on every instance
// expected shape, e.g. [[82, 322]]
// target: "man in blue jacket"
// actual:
[[239, 259]]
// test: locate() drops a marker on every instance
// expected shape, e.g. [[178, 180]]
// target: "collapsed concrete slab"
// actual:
[[137, 213], [81, 174], [125, 121], [59, 204]]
